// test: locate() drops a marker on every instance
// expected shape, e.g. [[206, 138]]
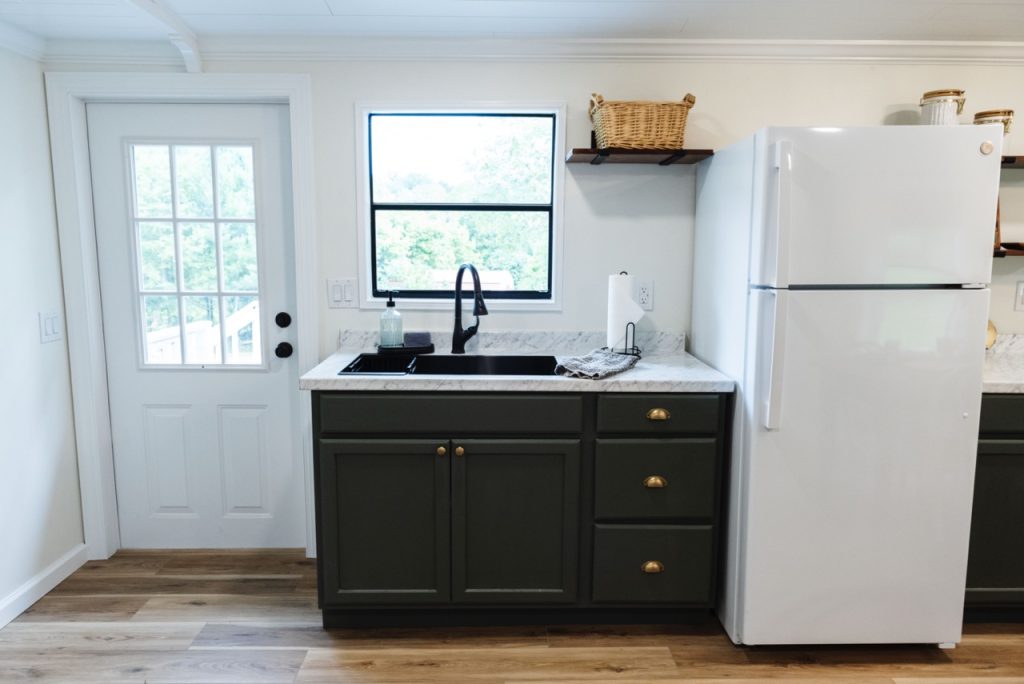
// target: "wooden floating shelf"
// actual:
[[1010, 162], [614, 155]]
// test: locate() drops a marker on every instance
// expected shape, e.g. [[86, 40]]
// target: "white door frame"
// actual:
[[66, 96]]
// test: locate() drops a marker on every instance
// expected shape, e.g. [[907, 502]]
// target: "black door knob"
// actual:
[[283, 320], [283, 350]]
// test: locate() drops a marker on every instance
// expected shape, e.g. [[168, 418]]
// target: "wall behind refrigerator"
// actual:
[[617, 217]]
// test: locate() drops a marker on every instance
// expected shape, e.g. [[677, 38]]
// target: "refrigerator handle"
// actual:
[[773, 399], [783, 164]]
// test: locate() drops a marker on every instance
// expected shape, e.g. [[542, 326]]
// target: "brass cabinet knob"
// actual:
[[655, 482], [658, 414], [441, 451], [652, 567], [459, 451]]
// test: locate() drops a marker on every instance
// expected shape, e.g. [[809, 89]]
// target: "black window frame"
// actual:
[[549, 208]]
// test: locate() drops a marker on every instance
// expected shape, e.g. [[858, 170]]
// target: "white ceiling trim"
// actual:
[[22, 42], [578, 50]]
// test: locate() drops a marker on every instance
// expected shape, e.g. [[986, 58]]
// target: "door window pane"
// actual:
[[163, 333], [202, 334], [197, 269], [152, 169], [242, 337], [199, 257], [193, 179], [238, 246], [157, 264], [235, 194]]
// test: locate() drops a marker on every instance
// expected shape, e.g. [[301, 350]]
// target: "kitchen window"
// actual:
[[472, 186]]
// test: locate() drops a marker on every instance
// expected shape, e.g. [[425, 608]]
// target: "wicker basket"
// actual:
[[637, 125]]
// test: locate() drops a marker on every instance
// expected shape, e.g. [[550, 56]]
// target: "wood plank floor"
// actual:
[[250, 617]]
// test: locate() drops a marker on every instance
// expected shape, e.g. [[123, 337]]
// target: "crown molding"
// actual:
[[21, 42], [312, 49]]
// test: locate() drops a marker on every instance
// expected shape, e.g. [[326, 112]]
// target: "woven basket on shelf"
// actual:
[[639, 125]]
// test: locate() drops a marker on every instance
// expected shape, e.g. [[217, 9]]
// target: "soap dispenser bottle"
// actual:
[[391, 325]]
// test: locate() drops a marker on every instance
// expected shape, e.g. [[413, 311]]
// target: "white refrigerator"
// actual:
[[841, 279]]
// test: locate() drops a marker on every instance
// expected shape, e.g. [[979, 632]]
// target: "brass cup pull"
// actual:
[[652, 567], [655, 482], [658, 414], [459, 451], [441, 451]]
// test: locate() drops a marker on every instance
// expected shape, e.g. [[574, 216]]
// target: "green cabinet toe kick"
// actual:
[[447, 508]]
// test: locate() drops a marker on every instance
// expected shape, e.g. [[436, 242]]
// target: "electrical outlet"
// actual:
[[645, 295], [342, 294], [1018, 301]]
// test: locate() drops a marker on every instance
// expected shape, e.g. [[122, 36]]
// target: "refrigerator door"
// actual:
[[859, 465], [891, 205]]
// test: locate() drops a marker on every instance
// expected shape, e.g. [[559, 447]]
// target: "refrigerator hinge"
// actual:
[[974, 286]]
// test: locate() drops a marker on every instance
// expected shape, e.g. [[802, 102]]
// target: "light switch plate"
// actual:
[[49, 327], [1018, 300], [342, 293]]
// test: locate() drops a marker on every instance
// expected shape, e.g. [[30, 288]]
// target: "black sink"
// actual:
[[380, 364], [483, 365]]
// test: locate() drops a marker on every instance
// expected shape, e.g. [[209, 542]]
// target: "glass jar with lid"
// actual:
[[942, 107]]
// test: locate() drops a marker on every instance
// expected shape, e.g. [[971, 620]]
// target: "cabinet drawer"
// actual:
[[1002, 414], [655, 478], [449, 414], [658, 413], [684, 553]]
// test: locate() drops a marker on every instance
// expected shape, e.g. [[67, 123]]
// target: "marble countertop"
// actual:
[[665, 367], [1004, 366]]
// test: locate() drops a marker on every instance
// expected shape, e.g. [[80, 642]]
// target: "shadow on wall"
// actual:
[[635, 192], [899, 115]]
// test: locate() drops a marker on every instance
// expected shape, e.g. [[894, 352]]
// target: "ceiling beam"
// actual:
[[179, 33]]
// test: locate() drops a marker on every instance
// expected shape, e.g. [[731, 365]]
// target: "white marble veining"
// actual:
[[1004, 366], [678, 372], [525, 342]]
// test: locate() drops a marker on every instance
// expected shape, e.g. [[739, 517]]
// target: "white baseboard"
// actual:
[[19, 600]]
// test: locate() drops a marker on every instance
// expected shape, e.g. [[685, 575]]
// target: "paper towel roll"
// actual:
[[622, 309]]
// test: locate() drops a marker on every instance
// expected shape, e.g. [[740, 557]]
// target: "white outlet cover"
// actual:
[[1018, 301]]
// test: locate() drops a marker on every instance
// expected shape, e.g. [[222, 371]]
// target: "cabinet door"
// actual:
[[385, 521], [515, 520], [995, 565]]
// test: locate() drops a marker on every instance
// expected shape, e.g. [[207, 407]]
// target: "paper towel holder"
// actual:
[[629, 347]]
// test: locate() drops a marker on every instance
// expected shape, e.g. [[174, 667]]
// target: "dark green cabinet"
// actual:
[[515, 507], [995, 567], [384, 507], [491, 508]]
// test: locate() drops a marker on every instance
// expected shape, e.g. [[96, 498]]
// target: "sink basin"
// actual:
[[428, 364], [483, 365]]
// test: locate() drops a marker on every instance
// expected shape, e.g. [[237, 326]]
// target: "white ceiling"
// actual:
[[129, 20]]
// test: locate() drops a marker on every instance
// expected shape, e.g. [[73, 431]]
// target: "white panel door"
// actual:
[[880, 205], [194, 240], [858, 498]]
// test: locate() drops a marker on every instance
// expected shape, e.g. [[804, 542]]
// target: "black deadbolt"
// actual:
[[283, 350], [283, 320]]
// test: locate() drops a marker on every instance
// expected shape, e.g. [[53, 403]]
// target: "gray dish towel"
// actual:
[[595, 365]]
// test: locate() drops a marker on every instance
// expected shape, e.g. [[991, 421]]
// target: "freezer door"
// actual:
[[876, 206], [859, 465]]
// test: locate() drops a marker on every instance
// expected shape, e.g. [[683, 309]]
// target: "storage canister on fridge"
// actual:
[[1000, 116], [941, 107]]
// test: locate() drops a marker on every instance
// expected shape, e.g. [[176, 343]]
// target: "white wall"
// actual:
[[40, 510], [634, 218]]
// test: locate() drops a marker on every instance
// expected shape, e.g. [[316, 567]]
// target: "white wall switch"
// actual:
[[342, 293], [645, 294], [49, 327], [1018, 300]]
